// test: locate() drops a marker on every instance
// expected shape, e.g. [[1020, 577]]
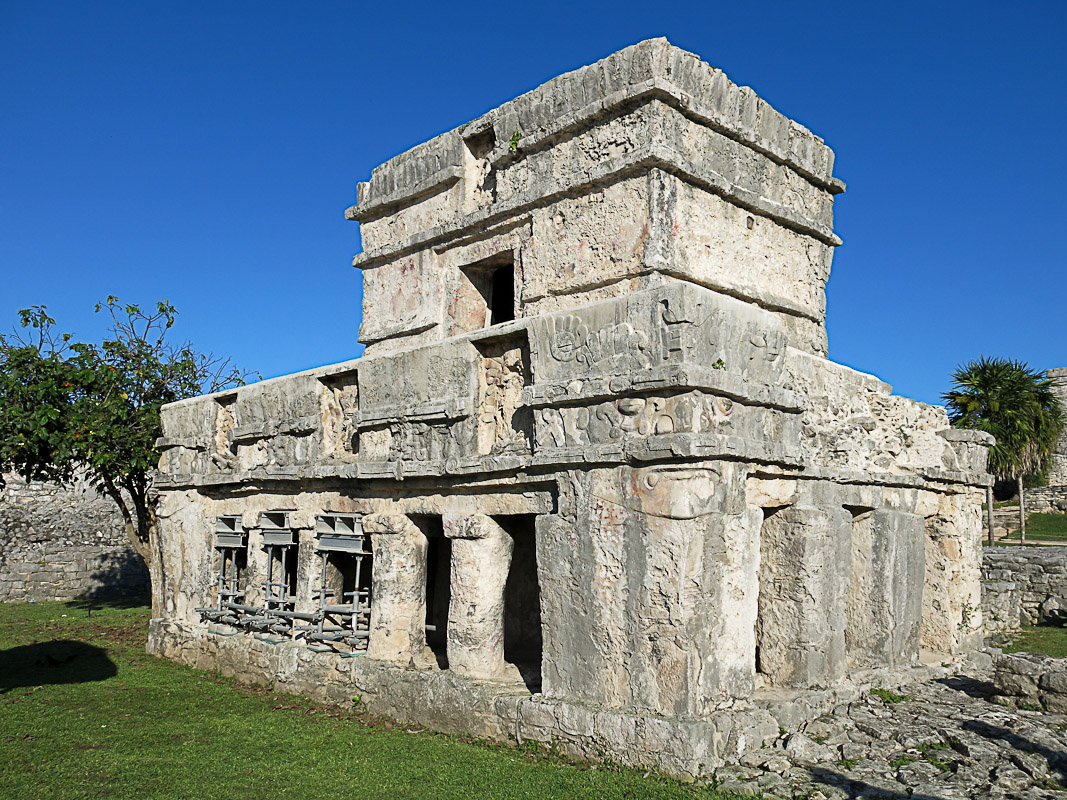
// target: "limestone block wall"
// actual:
[[1049, 499], [1023, 585], [60, 543]]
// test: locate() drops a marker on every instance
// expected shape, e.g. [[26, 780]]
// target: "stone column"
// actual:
[[398, 590], [481, 558], [952, 593], [804, 573]]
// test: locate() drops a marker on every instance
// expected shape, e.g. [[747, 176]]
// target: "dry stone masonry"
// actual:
[[62, 543], [1023, 586], [594, 481]]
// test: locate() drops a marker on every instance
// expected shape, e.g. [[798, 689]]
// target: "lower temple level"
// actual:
[[673, 616]]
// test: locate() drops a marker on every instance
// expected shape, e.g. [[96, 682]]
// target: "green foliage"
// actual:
[[1013, 403], [889, 697], [903, 761], [930, 753], [516, 137], [68, 405]]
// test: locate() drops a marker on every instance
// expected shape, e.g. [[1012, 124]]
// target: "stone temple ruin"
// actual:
[[594, 481]]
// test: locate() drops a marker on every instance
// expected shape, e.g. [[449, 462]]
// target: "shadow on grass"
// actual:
[[58, 661], [92, 602]]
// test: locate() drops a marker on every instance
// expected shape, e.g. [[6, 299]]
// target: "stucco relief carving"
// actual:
[[713, 333], [339, 402], [420, 441], [616, 348], [627, 417], [503, 420], [224, 458]]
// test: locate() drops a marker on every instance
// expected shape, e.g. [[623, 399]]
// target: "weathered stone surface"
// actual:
[[804, 569], [1032, 680], [610, 491], [884, 610]]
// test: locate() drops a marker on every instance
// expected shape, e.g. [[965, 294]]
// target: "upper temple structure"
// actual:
[[594, 481]]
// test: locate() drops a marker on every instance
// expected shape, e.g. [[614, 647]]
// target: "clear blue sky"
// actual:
[[205, 152]]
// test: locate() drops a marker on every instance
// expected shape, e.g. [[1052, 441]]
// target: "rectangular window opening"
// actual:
[[494, 278], [231, 543]]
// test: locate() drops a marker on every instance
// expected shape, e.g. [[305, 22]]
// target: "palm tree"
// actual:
[[1017, 406]]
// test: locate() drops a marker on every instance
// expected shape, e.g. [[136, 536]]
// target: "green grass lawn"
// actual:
[[85, 713], [1048, 639], [1042, 527]]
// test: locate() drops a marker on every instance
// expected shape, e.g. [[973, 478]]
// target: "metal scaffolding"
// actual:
[[344, 592], [279, 592], [231, 542], [340, 624]]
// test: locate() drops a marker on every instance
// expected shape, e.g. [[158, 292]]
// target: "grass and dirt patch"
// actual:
[[86, 713], [1048, 639], [1041, 527]]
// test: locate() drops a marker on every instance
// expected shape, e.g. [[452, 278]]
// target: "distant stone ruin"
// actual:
[[1052, 497], [64, 543], [594, 481], [1058, 472]]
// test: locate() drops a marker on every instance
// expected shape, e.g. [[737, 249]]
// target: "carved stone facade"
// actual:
[[610, 491]]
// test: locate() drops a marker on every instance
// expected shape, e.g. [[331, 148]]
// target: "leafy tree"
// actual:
[[1016, 405], [69, 407]]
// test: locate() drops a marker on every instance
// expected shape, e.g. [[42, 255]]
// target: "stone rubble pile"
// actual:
[[1033, 679], [944, 739]]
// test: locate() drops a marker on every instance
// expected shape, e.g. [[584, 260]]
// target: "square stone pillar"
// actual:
[[648, 588], [398, 589], [804, 574], [481, 558], [884, 604], [952, 593]]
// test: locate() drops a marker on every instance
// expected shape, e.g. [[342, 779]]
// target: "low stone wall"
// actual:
[[496, 710], [1032, 679], [1047, 500], [59, 543], [1023, 585]]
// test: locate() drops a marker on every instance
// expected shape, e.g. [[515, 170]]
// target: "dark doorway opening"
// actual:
[[522, 601], [438, 586]]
